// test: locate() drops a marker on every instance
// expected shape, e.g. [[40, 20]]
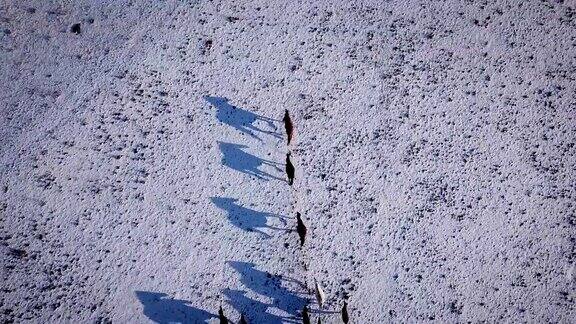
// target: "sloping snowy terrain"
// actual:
[[142, 160]]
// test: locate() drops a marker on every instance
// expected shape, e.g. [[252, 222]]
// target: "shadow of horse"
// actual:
[[235, 158], [241, 119], [246, 218], [164, 310], [269, 285], [255, 311]]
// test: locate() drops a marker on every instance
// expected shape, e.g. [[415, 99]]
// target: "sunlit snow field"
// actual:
[[143, 152]]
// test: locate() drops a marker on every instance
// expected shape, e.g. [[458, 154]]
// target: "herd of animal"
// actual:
[[301, 229]]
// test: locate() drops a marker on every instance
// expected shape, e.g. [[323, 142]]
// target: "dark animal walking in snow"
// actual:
[[223, 319], [301, 229], [288, 125], [345, 318], [242, 319], [289, 169], [305, 316]]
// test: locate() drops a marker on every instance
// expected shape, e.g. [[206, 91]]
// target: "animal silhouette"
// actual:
[[288, 125], [345, 317], [223, 319], [289, 169], [301, 229], [305, 315]]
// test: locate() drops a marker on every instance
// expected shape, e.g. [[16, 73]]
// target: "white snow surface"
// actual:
[[142, 161]]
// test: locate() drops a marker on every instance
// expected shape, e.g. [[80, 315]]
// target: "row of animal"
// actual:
[[302, 230], [305, 316]]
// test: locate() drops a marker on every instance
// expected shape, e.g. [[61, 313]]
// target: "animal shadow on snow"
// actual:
[[164, 310], [245, 218], [255, 311], [241, 119], [264, 284], [235, 158]]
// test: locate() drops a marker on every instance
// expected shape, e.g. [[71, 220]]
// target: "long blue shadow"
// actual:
[[245, 218], [269, 285], [164, 310], [255, 311], [235, 158], [241, 119]]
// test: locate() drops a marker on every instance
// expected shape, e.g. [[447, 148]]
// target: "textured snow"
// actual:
[[142, 160]]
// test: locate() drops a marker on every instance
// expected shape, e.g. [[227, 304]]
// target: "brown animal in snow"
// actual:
[[288, 125], [290, 170]]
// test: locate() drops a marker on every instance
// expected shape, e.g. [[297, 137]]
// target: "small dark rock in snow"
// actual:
[[75, 28]]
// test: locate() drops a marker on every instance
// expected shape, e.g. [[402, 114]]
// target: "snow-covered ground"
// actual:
[[142, 159]]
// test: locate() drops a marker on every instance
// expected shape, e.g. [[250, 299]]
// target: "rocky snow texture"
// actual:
[[142, 160]]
